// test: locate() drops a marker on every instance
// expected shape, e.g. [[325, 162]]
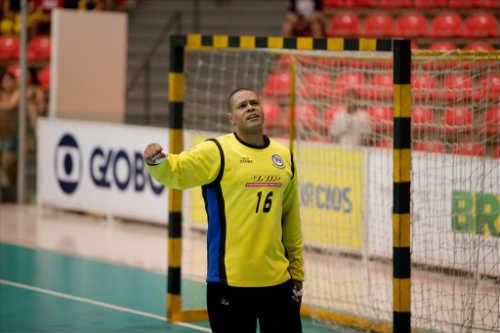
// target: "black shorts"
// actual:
[[237, 309]]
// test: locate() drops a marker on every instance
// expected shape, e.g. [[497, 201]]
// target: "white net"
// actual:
[[456, 193], [343, 105]]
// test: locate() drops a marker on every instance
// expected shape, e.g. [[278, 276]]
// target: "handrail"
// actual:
[[175, 18]]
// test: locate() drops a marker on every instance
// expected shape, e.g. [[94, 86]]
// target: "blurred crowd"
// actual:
[[38, 78]]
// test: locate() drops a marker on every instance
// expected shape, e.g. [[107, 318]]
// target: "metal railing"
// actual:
[[173, 24]]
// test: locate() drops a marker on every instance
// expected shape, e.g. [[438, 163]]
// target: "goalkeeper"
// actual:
[[249, 184]]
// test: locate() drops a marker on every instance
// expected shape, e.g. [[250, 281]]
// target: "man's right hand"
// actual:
[[153, 154]]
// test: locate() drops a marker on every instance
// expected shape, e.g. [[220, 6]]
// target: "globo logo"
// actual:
[[108, 168], [116, 168], [68, 164]]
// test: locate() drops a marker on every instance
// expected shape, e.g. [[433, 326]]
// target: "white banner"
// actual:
[[98, 167], [455, 209]]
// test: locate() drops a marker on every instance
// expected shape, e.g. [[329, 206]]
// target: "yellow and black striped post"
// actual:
[[176, 110], [401, 190], [176, 105]]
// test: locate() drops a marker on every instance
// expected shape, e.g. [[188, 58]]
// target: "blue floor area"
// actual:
[[27, 310]]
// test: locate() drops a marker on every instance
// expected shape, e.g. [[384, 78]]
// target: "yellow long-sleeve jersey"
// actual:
[[252, 205]]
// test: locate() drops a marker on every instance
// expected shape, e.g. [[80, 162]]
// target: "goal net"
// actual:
[[343, 105], [456, 192]]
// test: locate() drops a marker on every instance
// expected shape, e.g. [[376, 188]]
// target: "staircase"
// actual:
[[231, 17]]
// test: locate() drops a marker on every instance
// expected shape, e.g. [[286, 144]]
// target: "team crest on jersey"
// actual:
[[278, 161]]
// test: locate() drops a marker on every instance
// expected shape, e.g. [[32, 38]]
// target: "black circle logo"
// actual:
[[68, 163]]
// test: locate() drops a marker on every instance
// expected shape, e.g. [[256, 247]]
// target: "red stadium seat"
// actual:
[[277, 84], [487, 3], [365, 3], [480, 25], [272, 114], [381, 87], [447, 25], [315, 84], [461, 3], [381, 117], [44, 78], [338, 3], [307, 117], [489, 87], [430, 3], [14, 70], [39, 49], [491, 121], [284, 61], [442, 46], [395, 3], [457, 119], [422, 119], [411, 25], [9, 48], [456, 86], [423, 86], [496, 152], [343, 25], [378, 25], [479, 46], [348, 80], [430, 146], [470, 148]]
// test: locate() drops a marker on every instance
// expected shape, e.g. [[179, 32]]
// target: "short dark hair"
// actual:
[[233, 93]]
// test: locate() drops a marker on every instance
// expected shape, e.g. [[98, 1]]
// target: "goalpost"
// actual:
[[356, 201]]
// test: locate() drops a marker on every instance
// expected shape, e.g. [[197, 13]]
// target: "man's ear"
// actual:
[[229, 116]]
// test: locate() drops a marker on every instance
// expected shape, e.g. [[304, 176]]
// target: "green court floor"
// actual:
[[42, 291]]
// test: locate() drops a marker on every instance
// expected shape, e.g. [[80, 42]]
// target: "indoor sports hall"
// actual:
[[391, 112]]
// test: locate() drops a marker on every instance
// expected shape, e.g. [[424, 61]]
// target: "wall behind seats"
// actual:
[[88, 67]]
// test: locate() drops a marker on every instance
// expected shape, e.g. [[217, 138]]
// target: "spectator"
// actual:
[[92, 5], [11, 19], [304, 18], [35, 96], [351, 126], [9, 101]]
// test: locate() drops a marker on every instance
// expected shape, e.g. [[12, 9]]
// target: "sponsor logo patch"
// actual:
[[278, 161], [264, 181]]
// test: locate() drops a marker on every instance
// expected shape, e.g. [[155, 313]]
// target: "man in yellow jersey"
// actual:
[[249, 184]]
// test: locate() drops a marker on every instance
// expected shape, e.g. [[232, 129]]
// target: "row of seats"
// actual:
[[452, 120], [319, 84], [414, 24], [413, 3], [38, 48]]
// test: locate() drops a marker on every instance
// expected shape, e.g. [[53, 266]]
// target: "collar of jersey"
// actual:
[[266, 142]]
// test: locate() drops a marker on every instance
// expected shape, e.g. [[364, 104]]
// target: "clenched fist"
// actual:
[[153, 154]]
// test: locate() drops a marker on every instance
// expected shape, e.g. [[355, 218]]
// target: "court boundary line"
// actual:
[[101, 304]]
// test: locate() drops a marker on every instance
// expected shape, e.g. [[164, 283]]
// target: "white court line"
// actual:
[[101, 304]]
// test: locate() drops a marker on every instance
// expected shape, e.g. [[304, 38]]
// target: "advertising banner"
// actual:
[[98, 168]]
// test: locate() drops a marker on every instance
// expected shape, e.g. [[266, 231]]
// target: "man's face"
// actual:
[[246, 114], [351, 98]]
